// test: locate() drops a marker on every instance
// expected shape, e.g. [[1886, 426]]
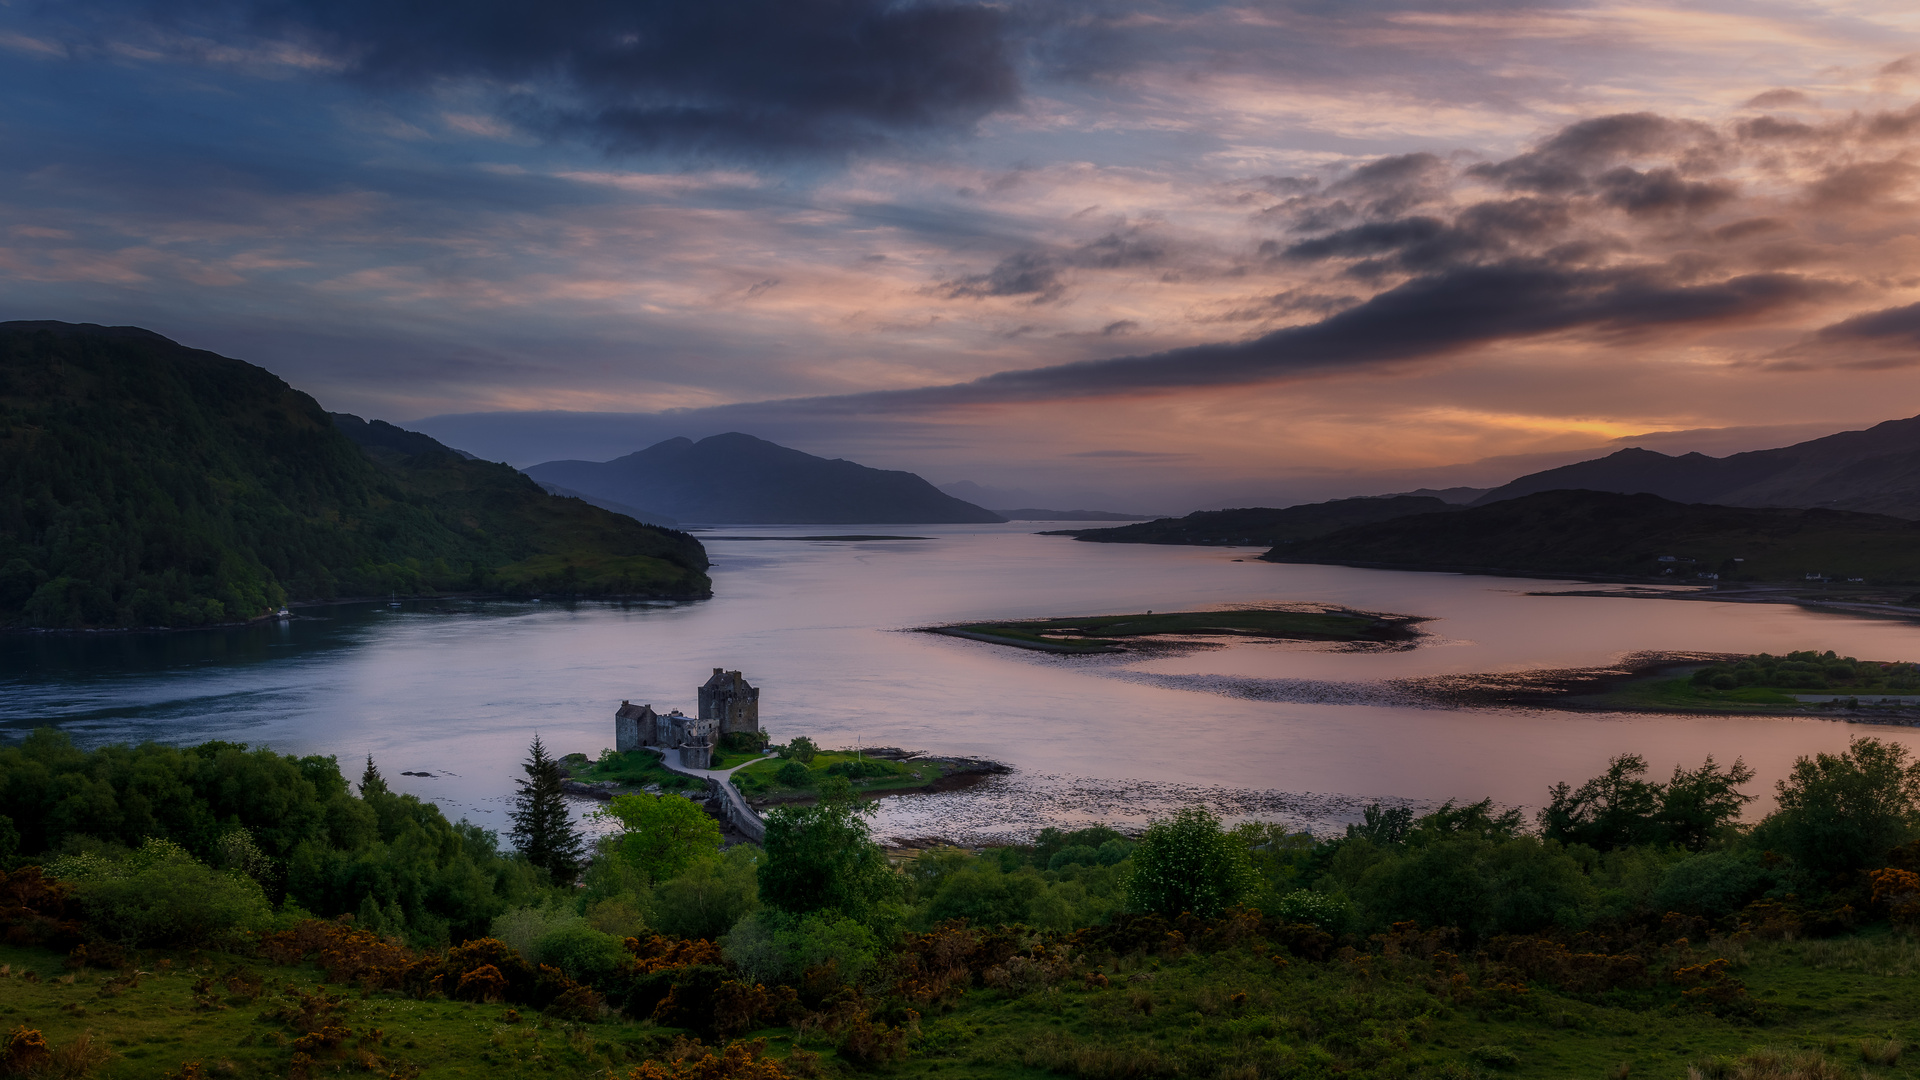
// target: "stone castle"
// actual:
[[729, 705]]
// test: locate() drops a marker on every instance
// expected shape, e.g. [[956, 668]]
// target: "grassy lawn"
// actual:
[[763, 780], [1106, 633], [637, 768], [1229, 1015]]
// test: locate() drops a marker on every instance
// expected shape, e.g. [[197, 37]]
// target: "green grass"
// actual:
[[637, 768], [1106, 633], [1230, 1015], [760, 780], [1683, 695]]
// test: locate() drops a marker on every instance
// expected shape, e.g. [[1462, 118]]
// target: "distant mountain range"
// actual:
[[143, 483], [1029, 513], [736, 479], [1875, 471], [1263, 525], [1579, 533]]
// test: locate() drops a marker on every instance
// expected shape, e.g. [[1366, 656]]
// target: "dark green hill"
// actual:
[[143, 483], [1601, 533], [1261, 524], [736, 479]]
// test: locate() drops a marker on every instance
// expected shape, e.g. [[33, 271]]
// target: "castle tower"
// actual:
[[727, 699]]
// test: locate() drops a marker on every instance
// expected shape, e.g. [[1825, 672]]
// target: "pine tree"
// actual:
[[542, 826], [371, 780]]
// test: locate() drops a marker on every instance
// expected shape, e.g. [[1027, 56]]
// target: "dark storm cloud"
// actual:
[[1892, 325], [755, 75], [1024, 274], [1566, 163]]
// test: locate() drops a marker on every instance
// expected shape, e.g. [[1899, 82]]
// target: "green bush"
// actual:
[[1714, 884], [579, 950], [794, 774], [523, 927], [1306, 906], [1077, 855], [800, 749], [663, 834], [775, 946], [1185, 863], [161, 895], [710, 896], [1483, 886], [1843, 813]]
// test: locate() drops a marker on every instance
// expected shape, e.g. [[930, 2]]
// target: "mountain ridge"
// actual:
[[737, 479], [1873, 470]]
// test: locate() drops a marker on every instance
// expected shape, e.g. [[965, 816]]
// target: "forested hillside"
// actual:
[[1593, 532], [143, 483]]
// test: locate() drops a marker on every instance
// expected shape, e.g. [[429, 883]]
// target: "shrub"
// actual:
[[1842, 813], [794, 774], [1484, 887], [800, 749], [579, 950], [774, 946], [712, 895], [1304, 906], [664, 834], [823, 856], [522, 928], [160, 895], [1078, 855], [1185, 863], [1715, 884]]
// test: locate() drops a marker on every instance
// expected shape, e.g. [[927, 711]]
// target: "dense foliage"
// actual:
[[1809, 671], [291, 825], [147, 484], [1593, 532], [1391, 950]]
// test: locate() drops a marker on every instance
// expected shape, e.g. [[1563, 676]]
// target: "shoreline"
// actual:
[[299, 605]]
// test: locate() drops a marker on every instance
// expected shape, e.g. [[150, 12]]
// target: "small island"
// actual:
[[1125, 633]]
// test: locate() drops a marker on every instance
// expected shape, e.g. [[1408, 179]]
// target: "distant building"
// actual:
[[728, 704]]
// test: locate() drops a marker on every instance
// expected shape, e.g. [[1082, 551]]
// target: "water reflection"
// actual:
[[456, 689]]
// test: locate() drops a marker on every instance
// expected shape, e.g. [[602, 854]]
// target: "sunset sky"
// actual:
[[1164, 255]]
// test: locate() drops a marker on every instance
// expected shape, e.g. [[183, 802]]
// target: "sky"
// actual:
[[1153, 255]]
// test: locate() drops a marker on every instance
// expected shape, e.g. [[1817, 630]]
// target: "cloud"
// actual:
[[1025, 274], [759, 77]]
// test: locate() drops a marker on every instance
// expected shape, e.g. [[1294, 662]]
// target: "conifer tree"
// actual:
[[542, 826], [371, 780]]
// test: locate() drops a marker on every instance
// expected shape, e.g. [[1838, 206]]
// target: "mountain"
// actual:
[[143, 483], [1029, 513], [1874, 471], [1580, 533], [736, 479], [1263, 525]]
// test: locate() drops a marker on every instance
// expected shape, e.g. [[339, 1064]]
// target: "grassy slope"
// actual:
[[1586, 532], [1260, 525], [637, 768], [1160, 1017], [143, 483], [1103, 633]]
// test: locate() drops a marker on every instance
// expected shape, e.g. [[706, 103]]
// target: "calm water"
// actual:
[[1271, 731]]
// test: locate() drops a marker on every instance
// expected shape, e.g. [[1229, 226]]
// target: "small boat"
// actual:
[[283, 613], [393, 600]]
